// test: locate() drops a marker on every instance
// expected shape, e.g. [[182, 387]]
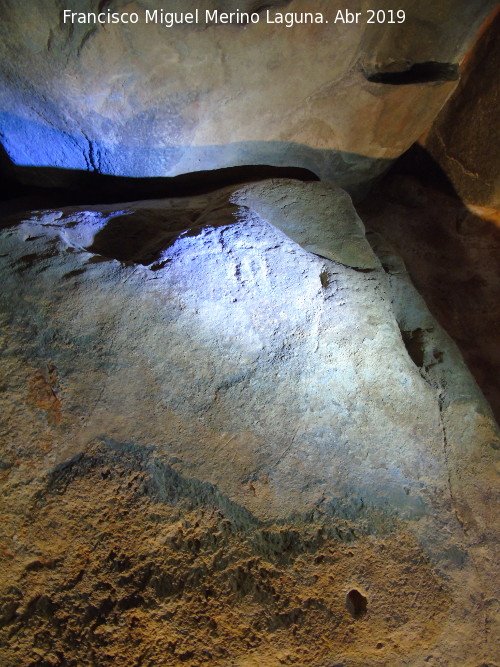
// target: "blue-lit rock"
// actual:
[[147, 100], [207, 420]]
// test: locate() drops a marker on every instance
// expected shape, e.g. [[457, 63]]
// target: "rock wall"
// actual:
[[465, 137], [452, 257], [146, 100], [223, 448]]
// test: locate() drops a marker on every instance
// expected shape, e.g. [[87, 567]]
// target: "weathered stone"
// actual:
[[452, 257], [465, 137], [145, 100], [223, 440], [304, 213]]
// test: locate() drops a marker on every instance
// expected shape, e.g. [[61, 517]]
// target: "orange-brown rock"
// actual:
[[465, 137]]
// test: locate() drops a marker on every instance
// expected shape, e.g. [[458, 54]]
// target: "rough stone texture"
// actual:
[[465, 137], [143, 100], [452, 256], [218, 445]]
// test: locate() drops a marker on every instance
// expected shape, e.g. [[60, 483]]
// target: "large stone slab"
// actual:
[[146, 100], [465, 136], [222, 447]]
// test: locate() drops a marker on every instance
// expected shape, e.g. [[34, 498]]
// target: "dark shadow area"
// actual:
[[38, 155], [141, 237], [9, 186], [414, 343], [133, 238], [419, 164], [90, 188], [451, 255], [428, 72], [356, 603]]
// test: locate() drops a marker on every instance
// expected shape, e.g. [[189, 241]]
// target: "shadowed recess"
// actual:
[[356, 603], [77, 186], [140, 237], [440, 243], [38, 155], [428, 72]]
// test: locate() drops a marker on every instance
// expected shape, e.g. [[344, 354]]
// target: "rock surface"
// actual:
[[146, 100], [465, 137], [222, 449], [452, 256]]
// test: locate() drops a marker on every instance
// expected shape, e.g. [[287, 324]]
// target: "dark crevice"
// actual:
[[260, 8], [356, 603], [91, 187], [85, 39], [428, 72], [414, 343], [360, 270]]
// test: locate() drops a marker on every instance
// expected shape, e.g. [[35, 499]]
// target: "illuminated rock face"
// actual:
[[234, 450], [146, 100]]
